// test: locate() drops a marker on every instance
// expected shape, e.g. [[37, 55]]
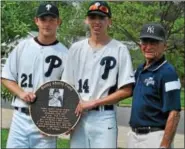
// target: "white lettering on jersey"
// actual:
[[149, 81]]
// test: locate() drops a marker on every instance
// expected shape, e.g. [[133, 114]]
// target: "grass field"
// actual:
[[128, 101], [4, 136], [61, 143]]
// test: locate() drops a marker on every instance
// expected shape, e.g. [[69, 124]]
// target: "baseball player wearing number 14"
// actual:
[[33, 62], [100, 69]]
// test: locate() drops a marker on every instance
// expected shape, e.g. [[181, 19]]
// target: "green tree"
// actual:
[[128, 18], [17, 20]]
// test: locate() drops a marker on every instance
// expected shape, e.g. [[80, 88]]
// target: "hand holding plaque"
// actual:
[[53, 111]]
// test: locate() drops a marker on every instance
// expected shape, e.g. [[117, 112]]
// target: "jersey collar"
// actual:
[[156, 65], [53, 43]]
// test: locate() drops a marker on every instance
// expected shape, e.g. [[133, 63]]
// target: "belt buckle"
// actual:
[[142, 130], [147, 130]]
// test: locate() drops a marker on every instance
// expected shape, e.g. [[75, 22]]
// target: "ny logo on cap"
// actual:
[[150, 29], [48, 7]]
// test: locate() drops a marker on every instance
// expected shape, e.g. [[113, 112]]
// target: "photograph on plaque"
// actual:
[[53, 111], [55, 97]]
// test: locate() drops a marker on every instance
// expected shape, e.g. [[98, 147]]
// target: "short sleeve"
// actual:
[[126, 74], [171, 91], [10, 69]]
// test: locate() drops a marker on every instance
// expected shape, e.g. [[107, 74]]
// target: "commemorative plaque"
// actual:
[[53, 110]]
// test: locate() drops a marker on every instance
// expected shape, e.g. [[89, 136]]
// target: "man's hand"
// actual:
[[27, 96], [85, 105], [14, 88]]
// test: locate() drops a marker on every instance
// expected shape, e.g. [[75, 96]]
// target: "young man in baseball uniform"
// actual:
[[100, 69], [156, 96], [33, 62]]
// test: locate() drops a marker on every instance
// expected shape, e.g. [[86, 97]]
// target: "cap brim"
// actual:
[[97, 13], [47, 14], [151, 37]]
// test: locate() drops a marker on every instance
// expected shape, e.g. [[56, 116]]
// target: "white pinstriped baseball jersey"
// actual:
[[31, 64], [98, 73]]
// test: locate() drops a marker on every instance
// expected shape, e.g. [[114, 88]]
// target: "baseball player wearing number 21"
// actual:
[[33, 62], [100, 69]]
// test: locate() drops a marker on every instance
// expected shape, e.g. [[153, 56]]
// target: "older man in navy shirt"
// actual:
[[156, 98]]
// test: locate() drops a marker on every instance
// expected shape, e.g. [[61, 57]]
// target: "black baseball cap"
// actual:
[[154, 31], [100, 8], [46, 9]]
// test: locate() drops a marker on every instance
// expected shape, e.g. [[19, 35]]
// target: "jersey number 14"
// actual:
[[83, 86]]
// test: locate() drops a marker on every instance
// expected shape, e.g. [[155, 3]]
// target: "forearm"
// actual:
[[170, 129], [115, 97], [12, 86]]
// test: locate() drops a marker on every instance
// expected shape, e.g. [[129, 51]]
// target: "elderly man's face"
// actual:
[[152, 49]]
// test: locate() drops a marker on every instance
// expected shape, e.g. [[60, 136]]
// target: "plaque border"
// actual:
[[78, 119]]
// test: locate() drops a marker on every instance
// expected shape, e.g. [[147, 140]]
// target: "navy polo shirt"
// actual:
[[156, 92]]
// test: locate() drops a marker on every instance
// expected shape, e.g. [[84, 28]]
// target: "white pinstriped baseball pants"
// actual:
[[96, 129], [24, 134]]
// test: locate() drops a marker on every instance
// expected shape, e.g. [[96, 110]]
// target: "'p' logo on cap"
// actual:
[[48, 7]]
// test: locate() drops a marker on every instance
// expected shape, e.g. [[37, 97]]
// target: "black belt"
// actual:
[[23, 110], [145, 130], [104, 108]]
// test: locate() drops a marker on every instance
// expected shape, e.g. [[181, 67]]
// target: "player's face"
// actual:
[[47, 25], [152, 49], [98, 24], [56, 94]]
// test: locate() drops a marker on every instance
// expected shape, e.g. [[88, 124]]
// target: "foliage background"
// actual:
[[127, 16]]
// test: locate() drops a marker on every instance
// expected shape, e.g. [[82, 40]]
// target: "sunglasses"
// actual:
[[101, 8]]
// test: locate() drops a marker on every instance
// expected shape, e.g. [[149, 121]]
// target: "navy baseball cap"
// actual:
[[100, 8], [46, 9], [153, 31]]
